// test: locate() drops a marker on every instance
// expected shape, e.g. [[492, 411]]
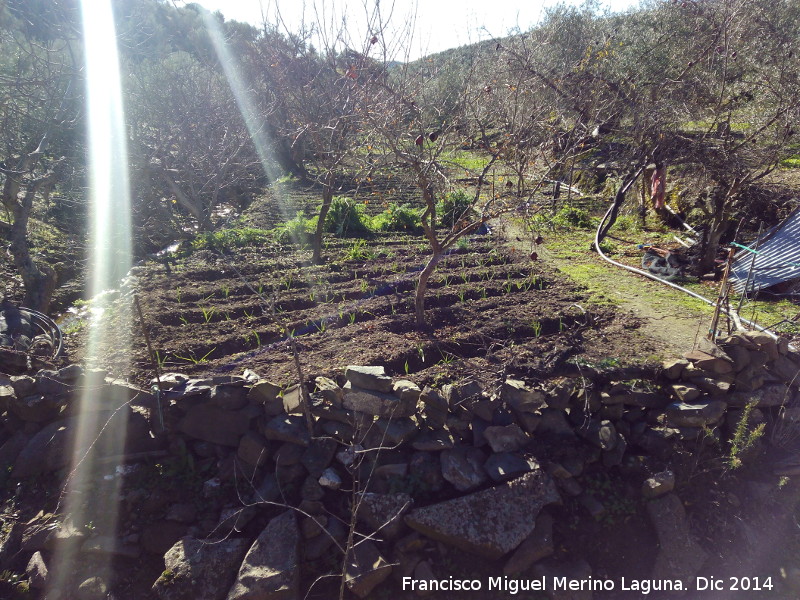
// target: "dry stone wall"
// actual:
[[472, 466]]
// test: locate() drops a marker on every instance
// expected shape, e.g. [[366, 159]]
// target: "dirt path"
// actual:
[[673, 318]]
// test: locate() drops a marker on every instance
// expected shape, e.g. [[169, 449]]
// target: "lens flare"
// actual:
[[91, 496]]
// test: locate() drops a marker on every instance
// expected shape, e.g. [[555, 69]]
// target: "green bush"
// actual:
[[398, 218], [296, 231], [346, 218], [570, 216], [453, 207], [228, 239]]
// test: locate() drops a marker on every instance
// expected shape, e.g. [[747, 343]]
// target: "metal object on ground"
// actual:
[[777, 257], [23, 328]]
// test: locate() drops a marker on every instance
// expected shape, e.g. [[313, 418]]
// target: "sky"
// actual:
[[439, 24]]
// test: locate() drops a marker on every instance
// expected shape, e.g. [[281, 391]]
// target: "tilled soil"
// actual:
[[489, 309]]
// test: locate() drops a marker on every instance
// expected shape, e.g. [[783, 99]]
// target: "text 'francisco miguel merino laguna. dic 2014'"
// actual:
[[540, 584]]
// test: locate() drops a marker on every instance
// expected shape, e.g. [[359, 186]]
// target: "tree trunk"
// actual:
[[422, 288], [718, 225], [327, 198], [39, 280], [708, 258]]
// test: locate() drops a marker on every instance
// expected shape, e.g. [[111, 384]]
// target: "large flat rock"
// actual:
[[198, 569], [489, 523], [270, 570]]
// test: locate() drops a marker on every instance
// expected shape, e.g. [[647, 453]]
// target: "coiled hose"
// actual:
[[669, 283]]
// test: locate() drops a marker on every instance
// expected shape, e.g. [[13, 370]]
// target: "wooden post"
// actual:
[[722, 297]]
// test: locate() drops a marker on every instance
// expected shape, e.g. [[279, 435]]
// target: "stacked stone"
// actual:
[[486, 460]]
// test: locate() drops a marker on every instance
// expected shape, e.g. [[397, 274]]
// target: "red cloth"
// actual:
[[657, 184]]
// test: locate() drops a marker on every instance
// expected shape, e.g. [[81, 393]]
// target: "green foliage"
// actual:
[[398, 218], [360, 251], [454, 207], [346, 218], [295, 231], [744, 438], [226, 240], [793, 162], [570, 217]]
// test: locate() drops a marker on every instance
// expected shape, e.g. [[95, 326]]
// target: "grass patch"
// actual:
[[793, 162], [295, 231], [467, 160], [230, 239]]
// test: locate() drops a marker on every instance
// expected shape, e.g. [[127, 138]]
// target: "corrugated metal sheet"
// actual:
[[777, 260]]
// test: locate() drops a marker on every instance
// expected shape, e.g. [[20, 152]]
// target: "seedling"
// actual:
[[537, 328], [208, 314], [196, 361]]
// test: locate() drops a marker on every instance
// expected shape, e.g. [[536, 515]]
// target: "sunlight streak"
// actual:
[[256, 125], [91, 500]]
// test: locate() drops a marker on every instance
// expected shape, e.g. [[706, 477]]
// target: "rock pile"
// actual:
[[471, 466]]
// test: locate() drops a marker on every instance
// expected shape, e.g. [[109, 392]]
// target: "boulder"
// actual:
[[686, 392], [509, 438], [520, 397], [554, 424], [463, 467], [601, 434], [435, 408], [37, 572], [697, 414], [393, 432], [715, 365], [214, 424], [229, 397], [266, 394], [377, 403], [293, 399], [253, 449], [768, 396], [35, 407], [369, 378], [679, 555], [93, 588], [672, 368], [329, 391], [47, 451], [198, 569], [503, 466], [658, 485], [319, 455], [285, 428], [383, 513], [433, 440], [535, 547], [406, 390], [270, 569], [366, 569], [489, 523]]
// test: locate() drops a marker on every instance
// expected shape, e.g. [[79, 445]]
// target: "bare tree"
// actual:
[[37, 76], [190, 136]]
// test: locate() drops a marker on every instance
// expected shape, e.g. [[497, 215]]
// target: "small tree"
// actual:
[[37, 79]]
